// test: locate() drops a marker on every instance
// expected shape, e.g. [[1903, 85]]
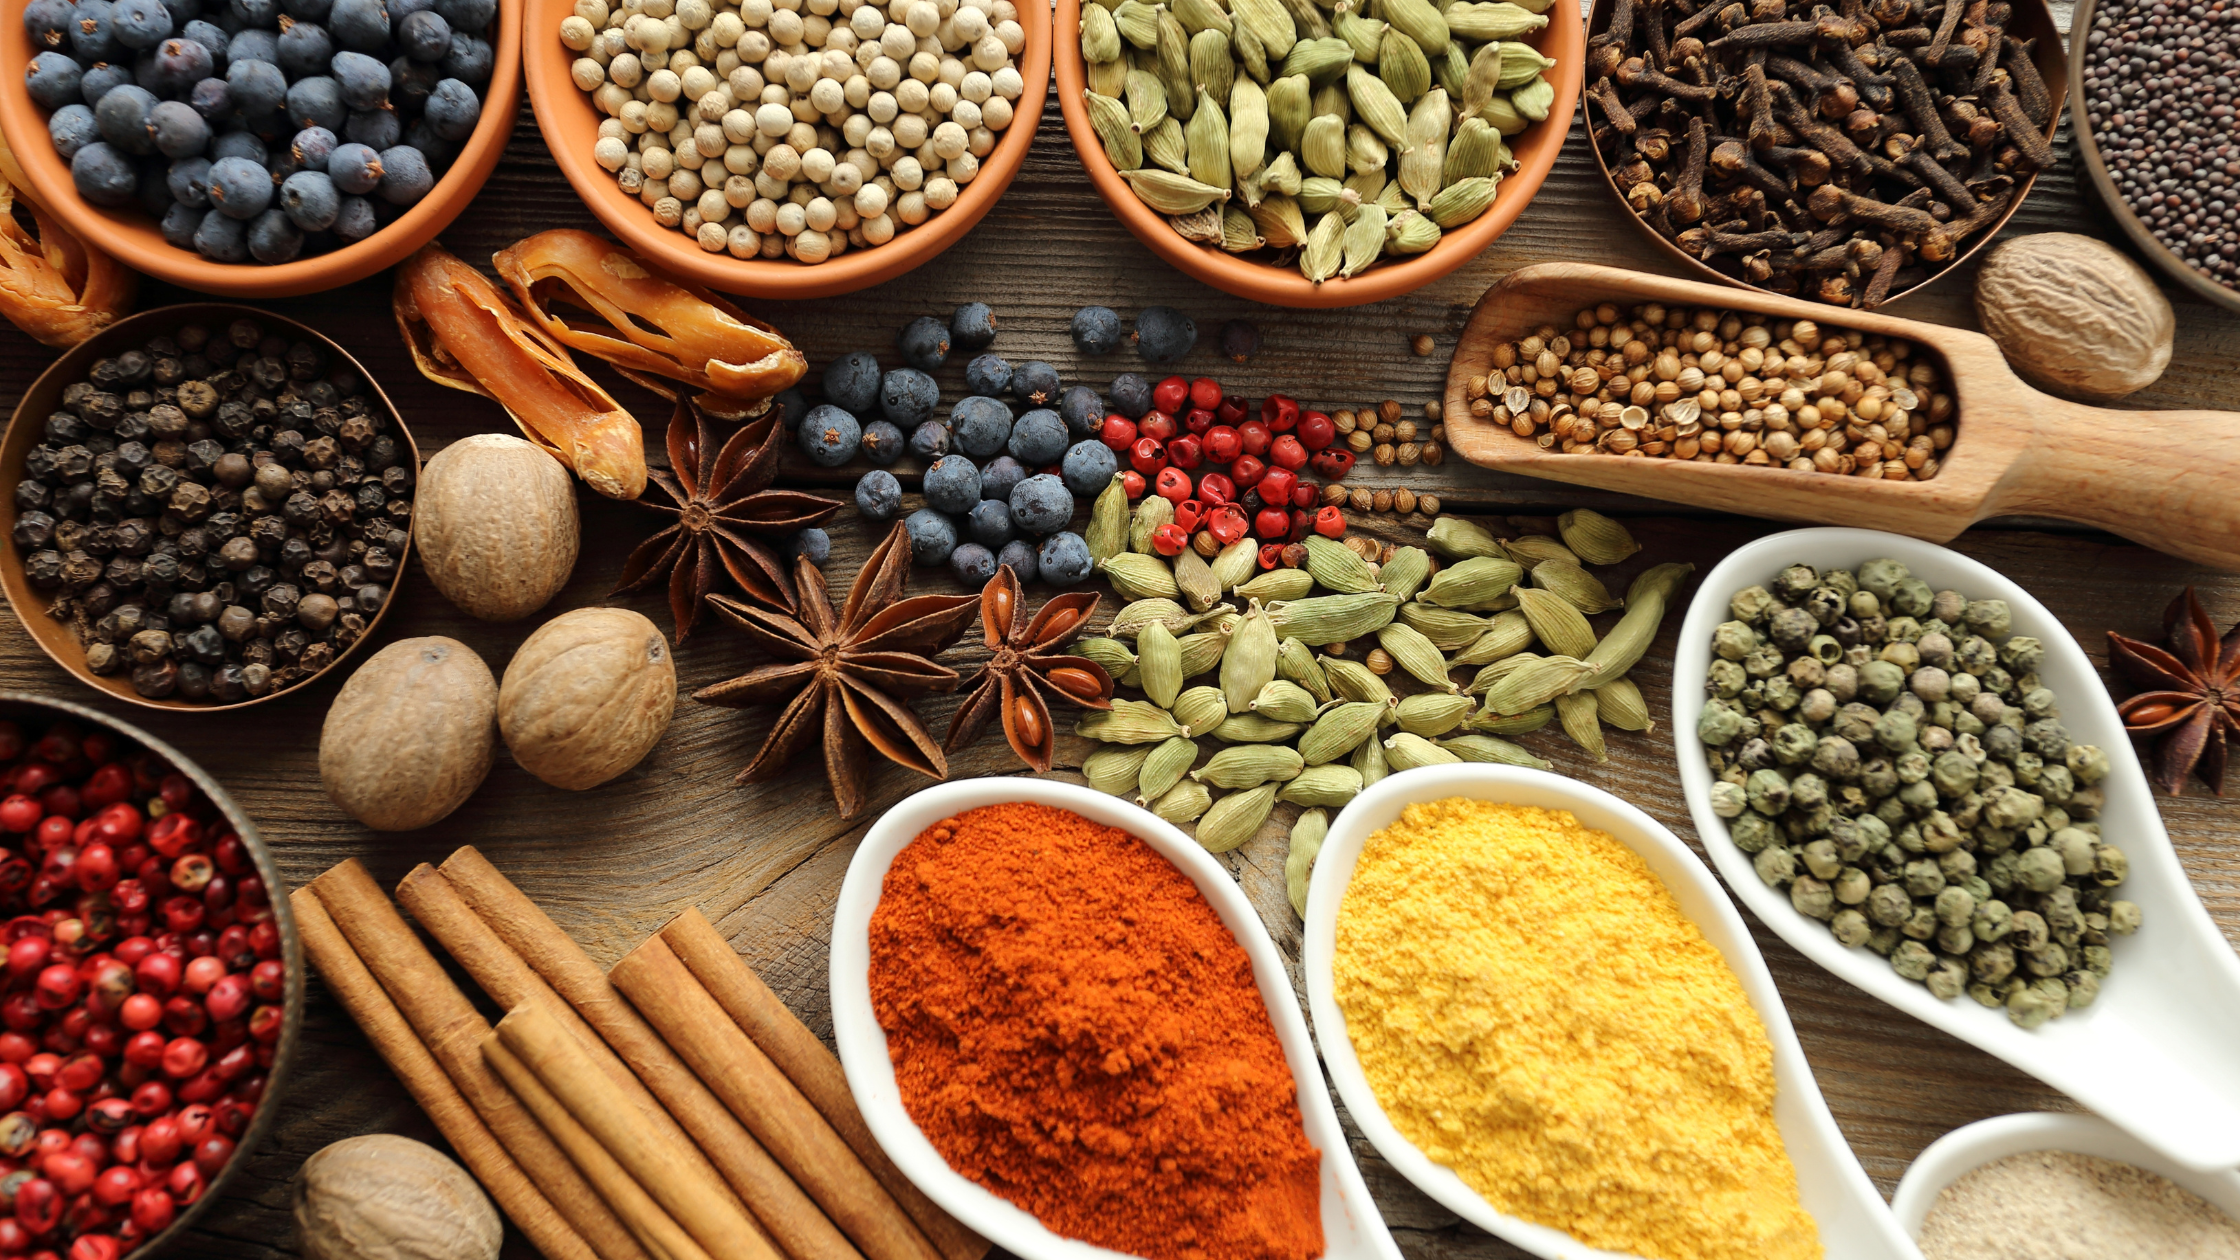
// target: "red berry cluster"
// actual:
[[1262, 493], [142, 1001]]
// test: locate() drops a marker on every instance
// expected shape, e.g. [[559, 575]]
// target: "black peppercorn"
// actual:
[[290, 642], [62, 428], [205, 644], [43, 569], [133, 428], [103, 659], [226, 686], [194, 680], [31, 496], [161, 570], [156, 681], [33, 530]]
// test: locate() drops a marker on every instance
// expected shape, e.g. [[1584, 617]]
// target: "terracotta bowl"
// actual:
[[24, 432], [1562, 39], [2088, 153], [2032, 20], [570, 123], [135, 240], [39, 711]]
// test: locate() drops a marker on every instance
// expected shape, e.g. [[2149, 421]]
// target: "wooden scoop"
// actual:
[[2167, 479]]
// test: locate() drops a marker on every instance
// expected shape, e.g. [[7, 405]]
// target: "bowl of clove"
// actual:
[[1845, 158]]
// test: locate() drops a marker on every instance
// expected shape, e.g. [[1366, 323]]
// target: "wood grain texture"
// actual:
[[612, 865]]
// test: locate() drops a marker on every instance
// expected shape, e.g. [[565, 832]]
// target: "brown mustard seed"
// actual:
[[1389, 411], [1422, 344], [1403, 500], [1385, 453], [1428, 504], [1205, 544], [1333, 495], [1382, 500], [1433, 453], [1379, 661], [1410, 452], [1363, 499]]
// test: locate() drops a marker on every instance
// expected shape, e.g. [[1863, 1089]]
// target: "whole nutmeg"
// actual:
[[495, 520], [411, 735], [2074, 315], [587, 696], [387, 1196]]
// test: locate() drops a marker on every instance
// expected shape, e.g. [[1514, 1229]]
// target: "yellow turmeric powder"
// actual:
[[1533, 1011]]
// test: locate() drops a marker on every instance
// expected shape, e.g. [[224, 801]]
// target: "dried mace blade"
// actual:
[[2189, 694], [850, 674], [1029, 669], [722, 514]]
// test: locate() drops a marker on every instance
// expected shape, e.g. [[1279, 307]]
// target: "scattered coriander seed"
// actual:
[[1379, 661], [1343, 420], [1363, 498], [1386, 453], [1205, 544], [1403, 500], [1422, 344], [1433, 453], [1428, 504], [1336, 649], [1432, 411], [1359, 441], [1333, 495], [1389, 411], [1404, 431], [1410, 452], [1385, 432], [1382, 500]]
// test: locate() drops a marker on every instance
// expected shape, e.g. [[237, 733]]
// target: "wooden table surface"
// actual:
[[765, 862]]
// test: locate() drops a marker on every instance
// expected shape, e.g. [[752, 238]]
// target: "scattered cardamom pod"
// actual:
[[1335, 566], [1340, 729], [1507, 634], [1637, 629], [1471, 583], [1107, 534], [1333, 785], [1513, 723], [1100, 36], [1237, 817], [1332, 618], [1352, 680], [1534, 550], [1200, 709], [1595, 538], [1115, 771], [1155, 510], [1135, 615], [1497, 670], [1285, 701], [1164, 768], [1412, 752], [1164, 145], [1112, 654], [1429, 713], [1251, 728], [1538, 682], [1577, 713], [1202, 651], [1249, 662], [1160, 660], [1448, 629], [1619, 702], [1307, 833], [1458, 539], [1493, 21], [1194, 577], [1235, 563], [1558, 625], [1369, 762], [1498, 751], [1249, 766], [1411, 651], [1169, 193], [1137, 576], [1128, 722], [1296, 663], [1364, 240], [1183, 803], [1577, 587]]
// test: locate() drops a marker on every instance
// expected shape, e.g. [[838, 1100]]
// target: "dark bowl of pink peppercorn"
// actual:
[[151, 986]]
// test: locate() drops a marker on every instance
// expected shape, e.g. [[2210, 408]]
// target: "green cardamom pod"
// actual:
[[1281, 175], [1280, 222], [1323, 147], [1533, 550], [1251, 728], [1331, 98], [1458, 539], [1522, 63], [1392, 201], [1449, 629], [1318, 60], [1577, 587], [1128, 722], [1114, 771], [1500, 752], [1151, 512], [1295, 662], [1332, 785], [1354, 681], [1307, 833], [1248, 127], [1364, 35], [1198, 16], [1462, 202], [1577, 713], [1183, 803], [1475, 150], [1340, 729], [1212, 67], [1369, 762], [1513, 723], [1366, 158], [1403, 67], [1200, 709], [1332, 618], [1249, 662], [1138, 23], [1133, 678], [1405, 573], [1555, 622], [1201, 228], [1208, 137], [1160, 659], [1109, 119], [1169, 193], [1411, 752], [1411, 651], [1376, 106], [1134, 616], [1196, 580], [1410, 233], [1235, 563], [1471, 583], [1111, 654], [1236, 818], [1249, 766], [1269, 22], [1164, 768], [1290, 101], [1620, 703], [1419, 21], [1451, 68], [1364, 240], [1507, 634], [1108, 78], [1172, 63], [1319, 194], [1538, 682], [1107, 534], [1645, 605], [1425, 158], [1285, 701], [1595, 538], [1495, 20], [1202, 651], [1534, 98], [1427, 713], [1502, 114], [1251, 54], [1338, 567], [1495, 671], [1100, 36], [1164, 145], [1325, 248], [1137, 576], [1307, 19]]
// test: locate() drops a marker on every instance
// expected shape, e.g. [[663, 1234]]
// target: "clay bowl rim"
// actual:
[[563, 110], [2035, 14], [22, 434], [1283, 285], [2096, 168], [132, 238], [13, 704]]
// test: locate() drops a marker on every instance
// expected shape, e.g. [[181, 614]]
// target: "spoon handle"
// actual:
[[2168, 479]]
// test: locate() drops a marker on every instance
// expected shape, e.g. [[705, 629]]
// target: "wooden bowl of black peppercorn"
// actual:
[[204, 507]]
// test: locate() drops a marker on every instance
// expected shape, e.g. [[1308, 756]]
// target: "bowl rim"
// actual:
[[2040, 10], [1284, 286], [131, 237], [1971, 1146], [2198, 1130], [291, 946], [1352, 1225], [17, 438], [558, 104], [2096, 169], [1852, 1220]]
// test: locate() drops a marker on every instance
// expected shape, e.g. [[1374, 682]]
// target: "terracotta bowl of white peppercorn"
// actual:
[[221, 451], [986, 94]]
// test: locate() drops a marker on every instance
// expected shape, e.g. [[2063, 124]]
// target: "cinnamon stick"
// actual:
[[510, 982], [423, 1078], [790, 1216], [656, 1163], [452, 1032], [655, 1229], [760, 1095], [812, 1068]]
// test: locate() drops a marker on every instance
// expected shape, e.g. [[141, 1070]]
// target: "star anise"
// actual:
[[849, 675], [1029, 668], [2189, 697], [725, 511]]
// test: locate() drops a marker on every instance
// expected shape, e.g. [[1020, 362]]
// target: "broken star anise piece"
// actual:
[[1029, 668], [2189, 697], [848, 675], [725, 515]]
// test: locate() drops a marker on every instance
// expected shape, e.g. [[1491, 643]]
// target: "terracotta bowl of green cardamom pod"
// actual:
[[1265, 275]]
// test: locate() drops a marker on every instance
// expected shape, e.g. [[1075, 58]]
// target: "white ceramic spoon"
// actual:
[[1854, 1222], [2159, 1052], [1971, 1147], [1351, 1226]]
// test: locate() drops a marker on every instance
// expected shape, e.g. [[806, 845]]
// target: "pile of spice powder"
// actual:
[[1073, 1028], [2059, 1205], [1533, 1011]]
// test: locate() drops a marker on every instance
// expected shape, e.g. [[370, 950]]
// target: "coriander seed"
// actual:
[[1379, 661], [1422, 344]]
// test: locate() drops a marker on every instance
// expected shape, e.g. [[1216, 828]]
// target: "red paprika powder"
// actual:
[[1073, 1028]]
